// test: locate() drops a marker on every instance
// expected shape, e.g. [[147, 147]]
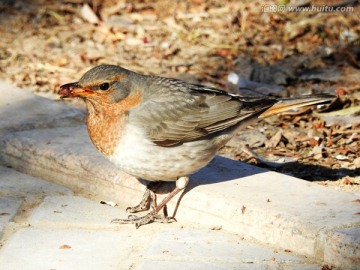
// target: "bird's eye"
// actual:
[[104, 86]]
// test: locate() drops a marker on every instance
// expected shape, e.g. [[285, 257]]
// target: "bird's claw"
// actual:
[[147, 201], [138, 208], [139, 221]]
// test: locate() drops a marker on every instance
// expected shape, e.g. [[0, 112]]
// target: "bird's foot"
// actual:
[[139, 221], [148, 200]]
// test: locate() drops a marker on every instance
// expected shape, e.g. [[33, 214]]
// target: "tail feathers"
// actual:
[[284, 105]]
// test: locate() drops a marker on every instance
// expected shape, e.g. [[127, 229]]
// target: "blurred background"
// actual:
[[245, 47]]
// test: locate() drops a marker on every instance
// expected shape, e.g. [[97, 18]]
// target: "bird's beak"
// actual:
[[71, 90]]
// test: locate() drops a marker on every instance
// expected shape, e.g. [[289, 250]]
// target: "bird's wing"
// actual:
[[181, 112]]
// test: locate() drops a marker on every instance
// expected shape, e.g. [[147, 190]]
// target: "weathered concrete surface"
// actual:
[[74, 211], [9, 207], [70, 232], [16, 184], [205, 249], [21, 110], [17, 190], [342, 247], [275, 208], [51, 248], [72, 248], [278, 210], [282, 211], [66, 156]]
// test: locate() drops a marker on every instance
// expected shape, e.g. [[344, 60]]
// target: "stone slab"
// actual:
[[74, 211], [342, 248], [212, 249], [51, 248], [66, 156], [191, 248], [21, 110], [169, 244], [282, 211], [163, 245], [196, 265], [17, 184], [75, 249], [271, 207], [9, 207], [18, 189]]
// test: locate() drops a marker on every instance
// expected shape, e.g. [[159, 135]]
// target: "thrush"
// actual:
[[162, 129]]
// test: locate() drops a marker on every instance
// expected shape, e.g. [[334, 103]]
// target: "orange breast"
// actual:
[[106, 122]]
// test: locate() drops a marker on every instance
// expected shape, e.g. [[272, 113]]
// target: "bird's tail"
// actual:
[[287, 104]]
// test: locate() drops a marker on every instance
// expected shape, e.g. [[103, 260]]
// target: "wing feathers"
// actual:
[[289, 104], [175, 112]]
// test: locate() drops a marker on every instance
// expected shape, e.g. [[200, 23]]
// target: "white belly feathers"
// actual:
[[139, 156]]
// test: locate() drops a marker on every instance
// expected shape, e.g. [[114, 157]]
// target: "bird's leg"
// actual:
[[181, 183], [148, 199]]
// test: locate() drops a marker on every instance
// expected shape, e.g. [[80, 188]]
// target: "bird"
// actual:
[[163, 129]]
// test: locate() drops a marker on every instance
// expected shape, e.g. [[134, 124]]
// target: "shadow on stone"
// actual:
[[315, 172], [221, 169]]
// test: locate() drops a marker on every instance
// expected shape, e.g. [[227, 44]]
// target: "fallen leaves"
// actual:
[[346, 183], [277, 53], [307, 147], [274, 140]]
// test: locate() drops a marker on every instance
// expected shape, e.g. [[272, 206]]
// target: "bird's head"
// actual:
[[105, 83]]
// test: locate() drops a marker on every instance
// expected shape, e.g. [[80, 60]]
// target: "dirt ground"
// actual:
[[45, 44]]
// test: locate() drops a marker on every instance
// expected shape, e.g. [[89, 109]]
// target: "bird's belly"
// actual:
[[140, 157]]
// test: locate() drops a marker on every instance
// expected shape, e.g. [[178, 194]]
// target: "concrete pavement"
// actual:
[[232, 215]]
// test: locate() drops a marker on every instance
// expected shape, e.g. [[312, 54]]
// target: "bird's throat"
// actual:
[[105, 126]]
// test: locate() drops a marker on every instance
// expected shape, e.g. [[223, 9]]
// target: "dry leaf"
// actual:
[[274, 140], [64, 247], [88, 14]]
